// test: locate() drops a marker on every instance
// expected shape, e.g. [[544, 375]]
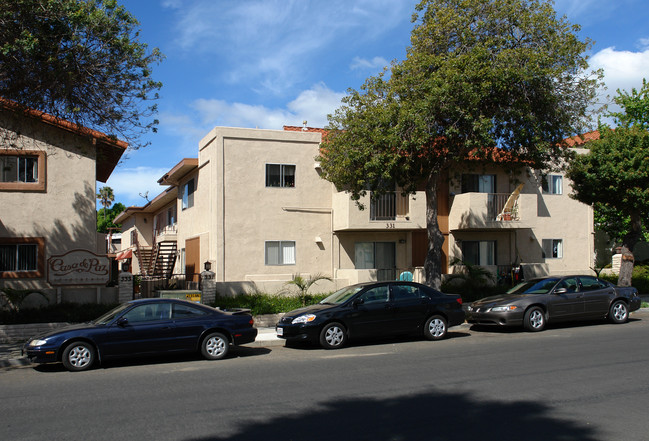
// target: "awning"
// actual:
[[124, 255]]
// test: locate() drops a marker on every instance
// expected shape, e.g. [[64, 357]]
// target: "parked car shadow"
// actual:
[[556, 325], [238, 352], [304, 345]]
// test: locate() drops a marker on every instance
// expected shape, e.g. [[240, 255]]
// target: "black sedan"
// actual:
[[533, 304], [141, 327], [373, 309]]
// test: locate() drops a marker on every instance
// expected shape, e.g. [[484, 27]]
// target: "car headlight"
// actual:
[[306, 318], [37, 343], [504, 308]]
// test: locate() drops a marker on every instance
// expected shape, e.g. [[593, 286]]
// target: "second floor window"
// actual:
[[552, 184], [280, 175], [188, 194], [474, 183], [18, 168], [18, 257]]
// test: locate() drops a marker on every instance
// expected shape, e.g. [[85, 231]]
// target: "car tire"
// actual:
[[534, 319], [333, 336], [618, 312], [78, 356], [435, 328], [215, 346]]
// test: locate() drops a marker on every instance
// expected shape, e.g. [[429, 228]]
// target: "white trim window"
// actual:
[[552, 248], [280, 252], [188, 194], [280, 175], [552, 184]]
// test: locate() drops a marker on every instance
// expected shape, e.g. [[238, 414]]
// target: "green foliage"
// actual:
[[478, 74], [105, 217], [14, 298], [614, 175], [635, 105], [62, 312], [79, 60], [266, 304], [474, 283], [303, 284], [639, 280]]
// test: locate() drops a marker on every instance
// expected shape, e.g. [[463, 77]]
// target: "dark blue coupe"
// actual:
[[141, 327]]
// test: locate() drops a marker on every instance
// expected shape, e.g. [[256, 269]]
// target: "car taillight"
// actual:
[[459, 300], [252, 321]]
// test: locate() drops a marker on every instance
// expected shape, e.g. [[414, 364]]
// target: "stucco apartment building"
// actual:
[[254, 206], [48, 174]]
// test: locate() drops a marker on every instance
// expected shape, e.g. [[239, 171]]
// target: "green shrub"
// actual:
[[264, 303], [62, 312], [639, 279]]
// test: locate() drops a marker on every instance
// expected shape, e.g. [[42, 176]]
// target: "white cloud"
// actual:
[[131, 184], [311, 105], [375, 64], [622, 69]]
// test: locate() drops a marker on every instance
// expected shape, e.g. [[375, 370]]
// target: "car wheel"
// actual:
[[534, 319], [215, 346], [333, 336], [435, 328], [78, 356], [618, 313]]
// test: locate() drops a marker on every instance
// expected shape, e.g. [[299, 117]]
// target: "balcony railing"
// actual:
[[389, 206], [167, 229]]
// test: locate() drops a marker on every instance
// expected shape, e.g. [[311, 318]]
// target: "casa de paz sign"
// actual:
[[78, 267]]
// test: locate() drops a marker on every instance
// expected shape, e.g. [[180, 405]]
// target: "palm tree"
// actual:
[[304, 284], [106, 198]]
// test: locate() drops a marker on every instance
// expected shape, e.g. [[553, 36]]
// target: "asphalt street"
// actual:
[[567, 383]]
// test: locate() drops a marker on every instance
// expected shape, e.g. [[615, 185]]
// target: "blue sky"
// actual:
[[269, 63]]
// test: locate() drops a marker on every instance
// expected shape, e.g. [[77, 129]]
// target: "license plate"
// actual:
[[280, 331]]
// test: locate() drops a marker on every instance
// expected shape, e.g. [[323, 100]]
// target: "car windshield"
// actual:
[[110, 315], [542, 286], [341, 296]]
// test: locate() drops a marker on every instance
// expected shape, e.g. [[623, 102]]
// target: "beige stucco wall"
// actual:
[[541, 216], [64, 214], [239, 213]]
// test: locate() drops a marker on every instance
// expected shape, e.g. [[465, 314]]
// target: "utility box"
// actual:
[[191, 295]]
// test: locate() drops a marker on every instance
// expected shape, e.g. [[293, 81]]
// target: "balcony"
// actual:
[[492, 211], [388, 211], [166, 233]]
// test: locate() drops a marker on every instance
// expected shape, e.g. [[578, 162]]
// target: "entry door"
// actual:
[[385, 258], [192, 259]]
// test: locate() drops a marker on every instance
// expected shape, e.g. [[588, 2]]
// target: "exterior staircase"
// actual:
[[165, 259]]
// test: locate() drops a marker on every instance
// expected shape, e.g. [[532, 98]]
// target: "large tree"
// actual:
[[614, 174], [79, 60], [479, 75]]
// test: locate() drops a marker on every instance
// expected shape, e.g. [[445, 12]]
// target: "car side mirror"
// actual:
[[357, 302], [122, 321], [561, 290]]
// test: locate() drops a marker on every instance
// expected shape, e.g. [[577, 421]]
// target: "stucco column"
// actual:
[[125, 287], [208, 287]]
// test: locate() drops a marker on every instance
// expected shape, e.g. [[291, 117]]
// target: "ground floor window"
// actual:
[[21, 257], [280, 252], [479, 252], [552, 248]]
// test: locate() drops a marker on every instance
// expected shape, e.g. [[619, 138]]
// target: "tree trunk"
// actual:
[[628, 244], [433, 263]]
